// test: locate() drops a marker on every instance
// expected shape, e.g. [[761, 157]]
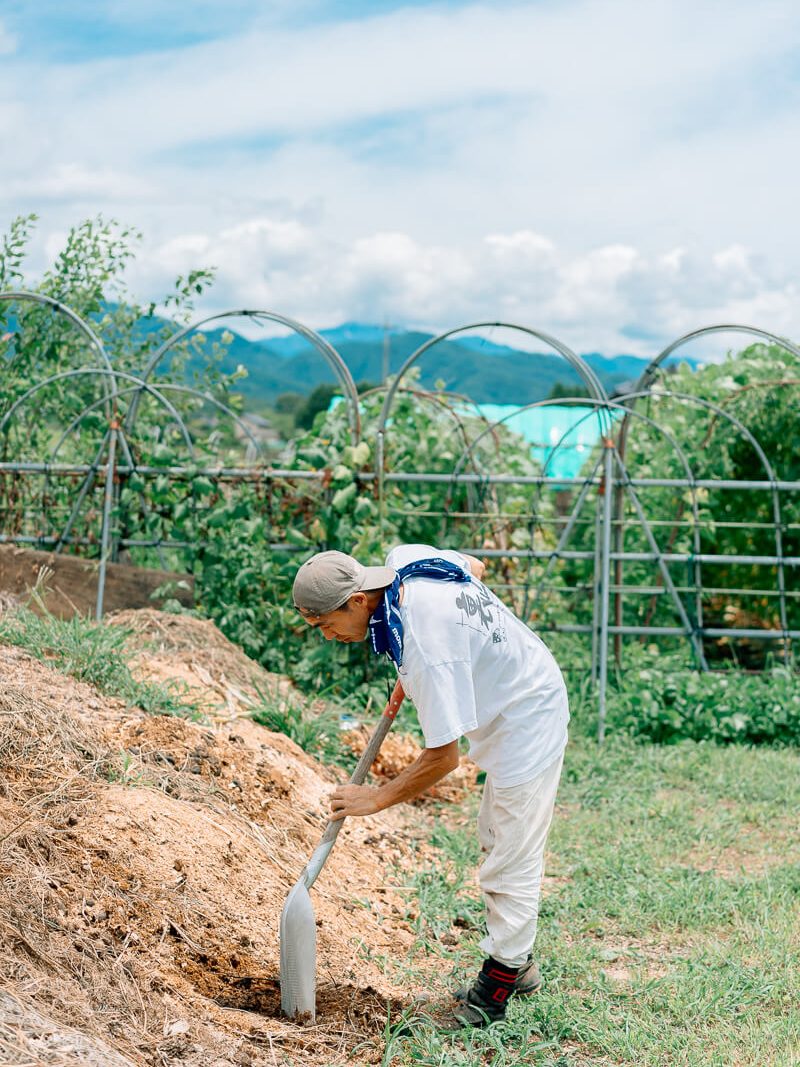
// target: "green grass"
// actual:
[[317, 730], [669, 931], [318, 722], [92, 652]]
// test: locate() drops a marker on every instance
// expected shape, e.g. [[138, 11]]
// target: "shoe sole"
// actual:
[[526, 992]]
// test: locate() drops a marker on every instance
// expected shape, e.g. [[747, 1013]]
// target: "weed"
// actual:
[[126, 770], [316, 729], [93, 653]]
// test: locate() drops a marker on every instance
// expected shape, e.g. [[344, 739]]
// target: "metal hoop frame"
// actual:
[[114, 459]]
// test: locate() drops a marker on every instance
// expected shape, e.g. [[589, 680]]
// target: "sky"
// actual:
[[611, 172]]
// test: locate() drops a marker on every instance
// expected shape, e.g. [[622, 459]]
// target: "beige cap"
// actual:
[[326, 581]]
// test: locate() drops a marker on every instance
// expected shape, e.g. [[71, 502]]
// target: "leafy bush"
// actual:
[[656, 701]]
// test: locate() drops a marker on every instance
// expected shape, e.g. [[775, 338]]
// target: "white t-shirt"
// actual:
[[473, 669]]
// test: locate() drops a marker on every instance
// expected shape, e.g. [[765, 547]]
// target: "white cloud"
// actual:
[[522, 246], [75, 182], [597, 168], [8, 41], [610, 299]]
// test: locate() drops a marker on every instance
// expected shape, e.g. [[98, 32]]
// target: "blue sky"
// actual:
[[611, 172], [84, 29]]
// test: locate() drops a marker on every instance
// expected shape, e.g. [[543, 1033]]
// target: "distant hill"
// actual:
[[484, 371], [475, 366]]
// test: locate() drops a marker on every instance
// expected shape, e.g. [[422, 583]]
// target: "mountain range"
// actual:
[[479, 368]]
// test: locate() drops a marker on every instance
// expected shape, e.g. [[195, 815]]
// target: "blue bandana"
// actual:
[[385, 624]]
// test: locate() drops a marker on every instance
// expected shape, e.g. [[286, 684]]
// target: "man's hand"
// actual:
[[429, 767], [347, 800], [476, 566]]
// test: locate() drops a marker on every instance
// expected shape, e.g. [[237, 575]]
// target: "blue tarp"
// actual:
[[544, 427], [579, 425]]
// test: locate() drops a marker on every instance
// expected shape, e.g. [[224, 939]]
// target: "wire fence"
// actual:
[[642, 543]]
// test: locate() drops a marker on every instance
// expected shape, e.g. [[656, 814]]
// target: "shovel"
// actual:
[[298, 930]]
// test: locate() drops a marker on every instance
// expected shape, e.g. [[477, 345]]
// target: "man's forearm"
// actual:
[[429, 767]]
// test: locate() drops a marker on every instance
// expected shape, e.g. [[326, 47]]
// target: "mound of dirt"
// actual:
[[226, 685], [218, 676], [145, 863]]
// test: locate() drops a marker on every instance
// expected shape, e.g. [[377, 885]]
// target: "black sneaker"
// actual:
[[449, 1018], [474, 1010], [527, 982], [484, 1002]]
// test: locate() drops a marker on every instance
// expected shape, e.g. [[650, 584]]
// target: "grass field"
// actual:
[[670, 926]]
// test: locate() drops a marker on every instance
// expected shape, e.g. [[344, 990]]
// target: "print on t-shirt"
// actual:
[[483, 607]]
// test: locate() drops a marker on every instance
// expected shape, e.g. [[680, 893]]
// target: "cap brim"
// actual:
[[378, 577]]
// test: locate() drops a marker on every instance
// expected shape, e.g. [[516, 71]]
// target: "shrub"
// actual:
[[661, 703]]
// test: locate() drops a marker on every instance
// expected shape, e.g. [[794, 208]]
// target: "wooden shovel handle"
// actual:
[[378, 734], [395, 700], [369, 753]]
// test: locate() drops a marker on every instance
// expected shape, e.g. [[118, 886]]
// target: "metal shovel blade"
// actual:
[[298, 933], [298, 928]]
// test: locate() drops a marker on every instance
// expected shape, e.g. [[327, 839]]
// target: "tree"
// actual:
[[564, 389], [69, 420]]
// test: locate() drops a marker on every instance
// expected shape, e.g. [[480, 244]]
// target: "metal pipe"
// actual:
[[649, 373], [589, 377], [433, 477], [498, 553], [605, 574], [132, 542], [106, 527], [648, 590], [637, 557], [670, 631], [325, 348], [256, 474], [381, 478], [537, 479], [596, 591]]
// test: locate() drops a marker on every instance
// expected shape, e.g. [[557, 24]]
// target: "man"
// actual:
[[474, 670]]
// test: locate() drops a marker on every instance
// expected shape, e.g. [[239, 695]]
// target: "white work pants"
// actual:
[[512, 829]]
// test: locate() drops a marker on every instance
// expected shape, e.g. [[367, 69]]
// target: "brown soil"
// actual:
[[7, 601], [145, 862], [193, 653], [398, 750]]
